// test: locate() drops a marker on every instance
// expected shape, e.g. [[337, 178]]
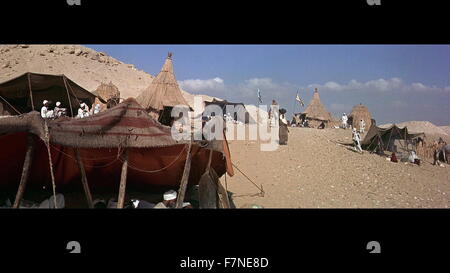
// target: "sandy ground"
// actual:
[[314, 172]]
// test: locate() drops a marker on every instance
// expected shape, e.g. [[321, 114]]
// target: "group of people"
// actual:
[[58, 111], [169, 202]]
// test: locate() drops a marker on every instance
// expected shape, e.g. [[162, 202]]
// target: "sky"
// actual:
[[396, 82]]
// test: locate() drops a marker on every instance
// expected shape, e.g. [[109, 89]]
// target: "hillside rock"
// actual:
[[85, 66]]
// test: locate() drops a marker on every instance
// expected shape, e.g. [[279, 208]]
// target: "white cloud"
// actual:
[[379, 85], [209, 86]]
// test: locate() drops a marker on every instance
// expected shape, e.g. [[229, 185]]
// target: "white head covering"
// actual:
[[44, 102], [58, 103], [135, 203], [170, 195]]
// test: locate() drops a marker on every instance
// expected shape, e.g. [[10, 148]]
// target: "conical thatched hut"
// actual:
[[109, 93], [316, 113], [360, 112], [163, 93]]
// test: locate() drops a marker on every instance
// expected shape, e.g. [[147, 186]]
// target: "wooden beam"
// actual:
[[123, 181], [68, 96], [207, 187], [31, 92], [184, 178], [84, 180], [25, 170]]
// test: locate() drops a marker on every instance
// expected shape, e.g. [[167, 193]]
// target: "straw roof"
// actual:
[[316, 110], [163, 91], [360, 112], [107, 91]]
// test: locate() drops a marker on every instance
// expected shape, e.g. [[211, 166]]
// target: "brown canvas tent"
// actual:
[[102, 146], [393, 139], [315, 112], [360, 112], [163, 93], [26, 93]]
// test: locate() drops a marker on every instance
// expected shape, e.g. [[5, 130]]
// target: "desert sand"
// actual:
[[312, 171]]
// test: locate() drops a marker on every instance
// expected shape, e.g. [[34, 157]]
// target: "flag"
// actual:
[[300, 100], [259, 96]]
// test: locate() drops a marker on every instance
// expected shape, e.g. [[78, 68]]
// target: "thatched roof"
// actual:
[[316, 110], [163, 91], [360, 112], [107, 91]]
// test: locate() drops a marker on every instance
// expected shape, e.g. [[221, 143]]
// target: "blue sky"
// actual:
[[397, 82]]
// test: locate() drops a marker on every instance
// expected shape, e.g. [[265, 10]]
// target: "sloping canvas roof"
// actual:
[[377, 135], [27, 92], [163, 91], [155, 159], [316, 110]]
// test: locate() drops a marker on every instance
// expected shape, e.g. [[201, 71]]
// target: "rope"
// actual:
[[92, 166], [47, 143], [260, 189], [155, 171]]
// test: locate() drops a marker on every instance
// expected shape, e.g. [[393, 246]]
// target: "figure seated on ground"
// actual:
[[170, 201], [394, 158], [413, 158]]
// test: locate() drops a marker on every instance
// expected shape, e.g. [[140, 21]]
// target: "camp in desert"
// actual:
[[224, 126]]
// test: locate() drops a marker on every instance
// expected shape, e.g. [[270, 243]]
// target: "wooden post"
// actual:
[[207, 187], [68, 96], [87, 192], [25, 170], [184, 178], [123, 181], [31, 92]]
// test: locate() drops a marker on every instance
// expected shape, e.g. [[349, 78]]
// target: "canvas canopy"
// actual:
[[26, 93], [154, 158], [392, 139], [163, 91]]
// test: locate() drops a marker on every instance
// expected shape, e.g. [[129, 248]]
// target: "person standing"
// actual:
[[362, 126], [344, 121], [356, 140], [283, 127]]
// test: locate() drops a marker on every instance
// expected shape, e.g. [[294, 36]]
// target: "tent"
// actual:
[[163, 93], [26, 93], [315, 112], [242, 114], [393, 139], [360, 112], [99, 149], [108, 95]]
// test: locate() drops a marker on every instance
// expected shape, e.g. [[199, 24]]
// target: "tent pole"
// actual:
[[123, 181], [184, 178], [31, 93], [68, 96], [84, 180], [25, 170]]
